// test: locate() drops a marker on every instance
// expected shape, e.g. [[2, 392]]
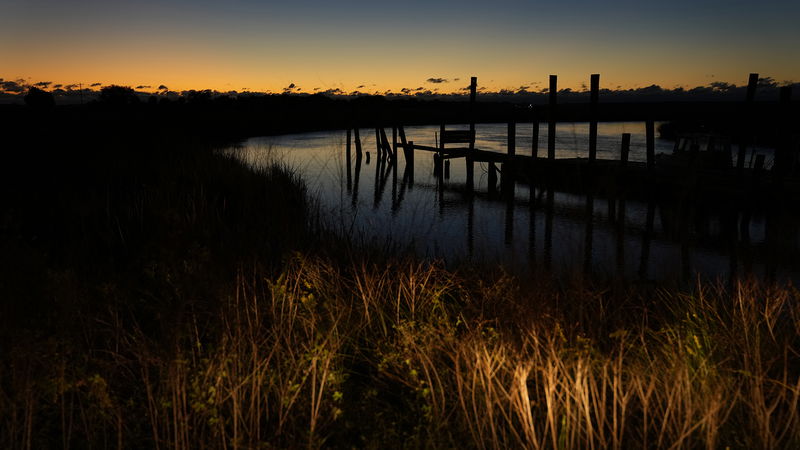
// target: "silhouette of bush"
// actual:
[[118, 96], [39, 99]]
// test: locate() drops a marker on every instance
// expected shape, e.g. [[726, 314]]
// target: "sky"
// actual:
[[376, 46]]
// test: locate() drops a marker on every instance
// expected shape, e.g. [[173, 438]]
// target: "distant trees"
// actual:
[[39, 99], [118, 96]]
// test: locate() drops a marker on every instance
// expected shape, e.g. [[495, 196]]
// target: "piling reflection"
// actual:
[[601, 226]]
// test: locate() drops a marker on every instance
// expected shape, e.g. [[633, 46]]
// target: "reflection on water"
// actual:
[[378, 202]]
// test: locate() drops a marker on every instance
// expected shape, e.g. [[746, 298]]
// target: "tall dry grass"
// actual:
[[407, 354]]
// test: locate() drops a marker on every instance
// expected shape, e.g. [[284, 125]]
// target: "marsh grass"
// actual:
[[195, 304]]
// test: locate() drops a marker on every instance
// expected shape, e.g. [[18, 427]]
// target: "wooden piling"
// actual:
[[437, 165], [378, 146], [625, 149], [409, 154], [470, 160], [593, 99], [551, 118], [356, 176], [447, 169], [651, 144], [473, 94], [388, 150], [358, 142], [752, 83], [535, 139], [512, 137], [492, 179], [348, 158]]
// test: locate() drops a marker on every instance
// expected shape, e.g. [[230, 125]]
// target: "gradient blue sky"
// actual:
[[265, 46]]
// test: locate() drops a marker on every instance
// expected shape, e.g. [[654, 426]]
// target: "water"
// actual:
[[557, 230]]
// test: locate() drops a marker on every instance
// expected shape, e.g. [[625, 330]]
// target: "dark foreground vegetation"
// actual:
[[157, 294]]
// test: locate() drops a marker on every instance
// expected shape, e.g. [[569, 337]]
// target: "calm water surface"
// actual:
[[381, 207]]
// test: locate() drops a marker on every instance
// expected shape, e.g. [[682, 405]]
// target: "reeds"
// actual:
[[207, 332], [407, 353]]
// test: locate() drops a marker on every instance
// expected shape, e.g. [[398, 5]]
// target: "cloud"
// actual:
[[70, 87], [95, 84], [43, 84], [437, 80], [361, 86], [405, 90], [163, 88], [333, 91], [290, 88], [11, 86], [143, 86]]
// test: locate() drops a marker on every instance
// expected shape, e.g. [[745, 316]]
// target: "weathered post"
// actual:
[[470, 159], [625, 149], [357, 176], [409, 150], [447, 169], [473, 93], [348, 157], [752, 83], [535, 139], [378, 146], [593, 98], [651, 144], [358, 143], [512, 137], [551, 119], [492, 178]]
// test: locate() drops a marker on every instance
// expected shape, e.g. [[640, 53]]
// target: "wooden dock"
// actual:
[[690, 171]]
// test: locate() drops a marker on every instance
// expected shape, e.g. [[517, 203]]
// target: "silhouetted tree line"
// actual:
[[122, 112]]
